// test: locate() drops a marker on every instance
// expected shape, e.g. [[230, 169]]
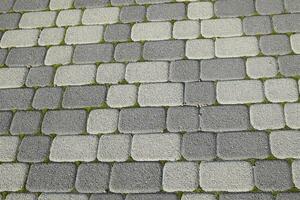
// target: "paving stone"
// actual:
[[30, 5], [114, 148], [286, 23], [166, 94], [129, 14], [243, 145], [167, 147], [51, 177], [12, 77], [151, 31], [83, 96], [92, 178], [234, 8], [93, 53], [64, 122], [40, 77], [19, 98], [119, 96], [102, 121], [291, 112], [13, 176], [6, 5], [128, 52], [106, 197], [108, 15], [5, 120], [188, 29], [289, 65], [269, 7], [266, 116], [164, 12], [26, 122], [152, 1], [247, 196], [261, 67], [288, 196], [199, 93], [221, 27], [19, 38], [117, 33], [275, 45], [195, 49], [200, 10], [51, 36], [74, 148], [3, 54], [84, 34], [142, 72], [157, 196], [235, 176], [63, 196], [257, 25], [90, 3], [193, 196], [236, 47], [122, 2], [295, 44], [110, 73], [272, 175], [224, 118], [292, 6], [47, 98], [222, 69], [59, 5], [164, 50], [75, 75], [29, 57], [59, 55], [21, 196], [184, 71], [69, 18], [142, 177], [281, 90], [240, 92], [295, 173], [34, 149], [37, 19], [9, 20], [180, 176], [8, 148]]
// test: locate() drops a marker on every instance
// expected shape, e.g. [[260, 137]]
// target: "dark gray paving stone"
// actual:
[[84, 96], [243, 145], [19, 98], [128, 52], [199, 93], [90, 3], [47, 98], [288, 196], [163, 12], [222, 69], [224, 118], [121, 2], [27, 56], [164, 196], [64, 122], [106, 197], [257, 25], [142, 120], [181, 119], [289, 65], [6, 5], [40, 77], [26, 122], [92, 53], [139, 177], [275, 45], [129, 14], [199, 146], [9, 20], [3, 54], [164, 50], [152, 1], [273, 175], [234, 8], [184, 71], [292, 6], [286, 23], [34, 149], [52, 177], [92, 178], [246, 196], [5, 120], [117, 33], [269, 7], [30, 5]]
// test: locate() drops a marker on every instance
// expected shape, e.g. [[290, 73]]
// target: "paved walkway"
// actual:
[[149, 100]]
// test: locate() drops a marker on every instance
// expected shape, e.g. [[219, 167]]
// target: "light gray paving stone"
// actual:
[[199, 93], [224, 118], [222, 69], [272, 175], [84, 96], [291, 112], [181, 119], [269, 7], [129, 14], [90, 3], [69, 18], [235, 176], [106, 197], [257, 25], [9, 20], [13, 176], [51, 36], [193, 196], [117, 33], [29, 57], [74, 148], [64, 122], [142, 72], [247, 196], [6, 5], [286, 23], [288, 196], [114, 148], [243, 145], [261, 67], [93, 53], [122, 2], [92, 178], [139, 177], [295, 173], [164, 50], [19, 98], [12, 77], [63, 196], [37, 19], [47, 98], [128, 52], [157, 196], [8, 148], [195, 49], [34, 149], [102, 121], [164, 12], [142, 120], [59, 55], [267, 116], [227, 27], [198, 146], [110, 73], [21, 196], [119, 96], [234, 8], [30, 5], [292, 6], [289, 65], [200, 10], [151, 31], [166, 94], [51, 177], [180, 176], [5, 120], [19, 38], [187, 29], [83, 34], [107, 15], [184, 71], [152, 1], [26, 122], [59, 5], [295, 44], [281, 90], [167, 147], [275, 45]]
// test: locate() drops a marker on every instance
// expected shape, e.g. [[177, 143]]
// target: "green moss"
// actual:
[[255, 189], [251, 161], [271, 157], [130, 159], [179, 194], [198, 190], [104, 105], [123, 82], [77, 163]]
